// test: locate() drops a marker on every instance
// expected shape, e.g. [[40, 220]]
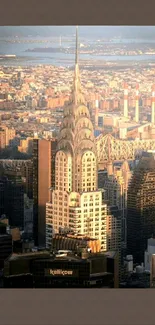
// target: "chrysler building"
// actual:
[[76, 202]]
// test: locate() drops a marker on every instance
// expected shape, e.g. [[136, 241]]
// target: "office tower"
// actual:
[[2, 198], [76, 203], [14, 198], [43, 180], [116, 183], [5, 244], [141, 207], [114, 228], [22, 167], [28, 215], [114, 232], [27, 175]]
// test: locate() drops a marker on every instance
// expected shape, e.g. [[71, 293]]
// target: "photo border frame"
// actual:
[[80, 306]]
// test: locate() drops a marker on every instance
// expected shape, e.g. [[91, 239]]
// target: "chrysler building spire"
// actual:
[[76, 96], [76, 54], [76, 133]]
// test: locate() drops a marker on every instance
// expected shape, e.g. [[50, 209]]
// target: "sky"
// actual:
[[139, 32]]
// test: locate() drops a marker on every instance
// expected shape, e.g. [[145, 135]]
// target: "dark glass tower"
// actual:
[[141, 207]]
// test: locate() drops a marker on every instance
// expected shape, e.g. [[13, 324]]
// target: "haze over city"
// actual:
[[139, 32]]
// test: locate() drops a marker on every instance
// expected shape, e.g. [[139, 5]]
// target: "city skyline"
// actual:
[[77, 121]]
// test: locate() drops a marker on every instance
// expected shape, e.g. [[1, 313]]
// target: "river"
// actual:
[[34, 58]]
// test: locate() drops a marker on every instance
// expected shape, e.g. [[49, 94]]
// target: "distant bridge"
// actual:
[[108, 149], [112, 149]]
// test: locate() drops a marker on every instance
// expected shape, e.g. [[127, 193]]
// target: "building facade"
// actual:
[[43, 180], [116, 185], [14, 198], [141, 207], [6, 135]]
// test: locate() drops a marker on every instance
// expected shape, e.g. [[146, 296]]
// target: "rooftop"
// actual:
[[111, 254], [70, 257], [14, 257]]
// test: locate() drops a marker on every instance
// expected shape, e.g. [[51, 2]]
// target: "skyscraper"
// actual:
[[13, 198], [115, 182], [76, 203], [43, 180], [141, 207], [2, 197], [116, 187], [5, 244]]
